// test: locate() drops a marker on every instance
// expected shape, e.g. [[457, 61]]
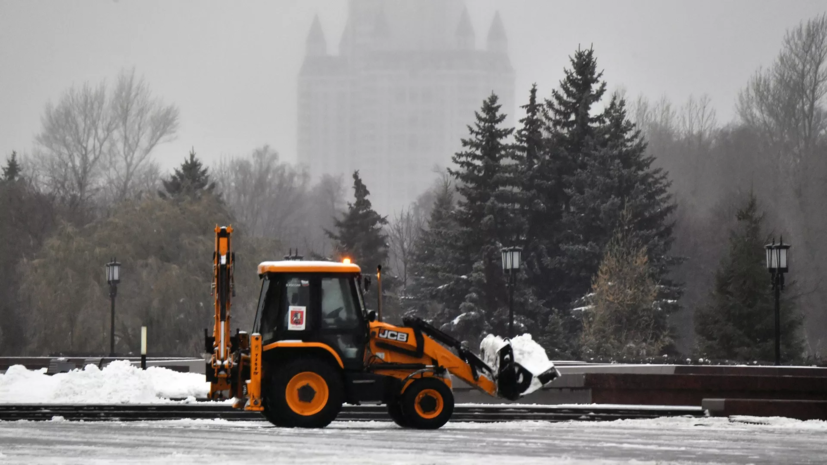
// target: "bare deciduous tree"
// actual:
[[785, 101], [698, 119], [264, 193], [403, 231], [140, 122], [95, 141], [73, 143]]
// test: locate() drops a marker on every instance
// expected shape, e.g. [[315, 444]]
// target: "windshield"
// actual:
[[265, 284]]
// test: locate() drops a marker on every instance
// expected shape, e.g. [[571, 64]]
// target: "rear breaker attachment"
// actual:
[[513, 379]]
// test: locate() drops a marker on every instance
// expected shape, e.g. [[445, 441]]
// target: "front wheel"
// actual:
[[305, 393], [427, 404]]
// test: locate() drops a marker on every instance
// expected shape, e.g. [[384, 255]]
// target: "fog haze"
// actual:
[[232, 68]]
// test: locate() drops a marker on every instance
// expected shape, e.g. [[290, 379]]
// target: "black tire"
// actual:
[[396, 414], [283, 407], [427, 404]]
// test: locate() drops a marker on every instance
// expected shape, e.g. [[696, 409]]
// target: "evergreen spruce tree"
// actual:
[[570, 129], [190, 180], [484, 216], [616, 176], [569, 111], [539, 213], [571, 136], [739, 322], [598, 169], [12, 170], [532, 169], [359, 233], [436, 276]]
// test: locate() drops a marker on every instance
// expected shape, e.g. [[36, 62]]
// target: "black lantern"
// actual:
[[113, 277], [511, 258], [777, 266], [511, 264], [777, 256], [113, 272]]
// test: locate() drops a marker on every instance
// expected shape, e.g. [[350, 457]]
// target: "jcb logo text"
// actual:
[[395, 335]]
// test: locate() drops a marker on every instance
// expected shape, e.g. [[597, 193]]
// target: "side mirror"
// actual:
[[367, 283], [371, 316]]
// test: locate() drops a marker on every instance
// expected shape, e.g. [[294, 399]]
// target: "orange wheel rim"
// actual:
[[307, 393], [428, 403]]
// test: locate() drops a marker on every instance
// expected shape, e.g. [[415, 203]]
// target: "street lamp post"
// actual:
[[511, 264], [113, 277], [777, 266]]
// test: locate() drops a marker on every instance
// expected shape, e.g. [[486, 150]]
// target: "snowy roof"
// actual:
[[298, 266]]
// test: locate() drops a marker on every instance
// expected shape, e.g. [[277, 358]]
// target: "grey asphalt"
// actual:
[[667, 440]]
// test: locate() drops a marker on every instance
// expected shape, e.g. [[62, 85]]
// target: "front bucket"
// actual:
[[514, 380]]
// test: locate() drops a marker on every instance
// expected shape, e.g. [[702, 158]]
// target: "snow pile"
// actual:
[[526, 352], [119, 382]]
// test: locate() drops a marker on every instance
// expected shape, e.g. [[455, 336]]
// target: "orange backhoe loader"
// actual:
[[314, 346]]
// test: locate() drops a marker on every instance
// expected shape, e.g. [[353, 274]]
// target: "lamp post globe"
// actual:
[[511, 261]]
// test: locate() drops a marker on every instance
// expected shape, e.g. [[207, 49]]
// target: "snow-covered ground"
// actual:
[[119, 382], [672, 440]]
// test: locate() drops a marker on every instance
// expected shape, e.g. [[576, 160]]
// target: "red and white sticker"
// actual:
[[297, 319]]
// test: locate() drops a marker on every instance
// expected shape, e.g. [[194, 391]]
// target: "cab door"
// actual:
[[341, 320]]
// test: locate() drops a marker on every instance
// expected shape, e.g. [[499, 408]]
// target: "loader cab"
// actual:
[[313, 302]]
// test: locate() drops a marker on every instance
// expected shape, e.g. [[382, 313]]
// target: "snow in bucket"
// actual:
[[526, 352]]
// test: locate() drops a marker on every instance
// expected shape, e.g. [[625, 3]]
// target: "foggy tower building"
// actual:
[[396, 100]]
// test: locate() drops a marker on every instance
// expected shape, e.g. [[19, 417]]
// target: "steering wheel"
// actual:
[[337, 314]]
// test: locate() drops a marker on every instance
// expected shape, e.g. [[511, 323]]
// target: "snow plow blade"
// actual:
[[514, 380]]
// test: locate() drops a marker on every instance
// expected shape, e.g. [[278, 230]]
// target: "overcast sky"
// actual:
[[231, 67]]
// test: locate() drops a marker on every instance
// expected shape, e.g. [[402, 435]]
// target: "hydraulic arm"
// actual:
[[414, 347], [221, 361]]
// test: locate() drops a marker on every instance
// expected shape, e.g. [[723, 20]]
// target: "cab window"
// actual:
[[339, 311], [284, 305], [295, 308]]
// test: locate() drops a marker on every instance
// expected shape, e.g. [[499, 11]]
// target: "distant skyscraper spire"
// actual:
[[396, 99], [381, 30], [345, 41], [316, 44], [465, 32], [381, 34], [497, 41]]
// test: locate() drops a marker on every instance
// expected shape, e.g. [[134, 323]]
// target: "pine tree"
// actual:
[[483, 182], [190, 180], [12, 170], [359, 234], [569, 129], [436, 276], [572, 128], [624, 316], [539, 214], [616, 176], [739, 322], [570, 109], [531, 165], [484, 214]]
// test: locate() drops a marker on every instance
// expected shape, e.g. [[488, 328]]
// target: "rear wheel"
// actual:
[[427, 404], [305, 393]]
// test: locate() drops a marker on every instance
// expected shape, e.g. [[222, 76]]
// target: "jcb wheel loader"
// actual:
[[315, 346]]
